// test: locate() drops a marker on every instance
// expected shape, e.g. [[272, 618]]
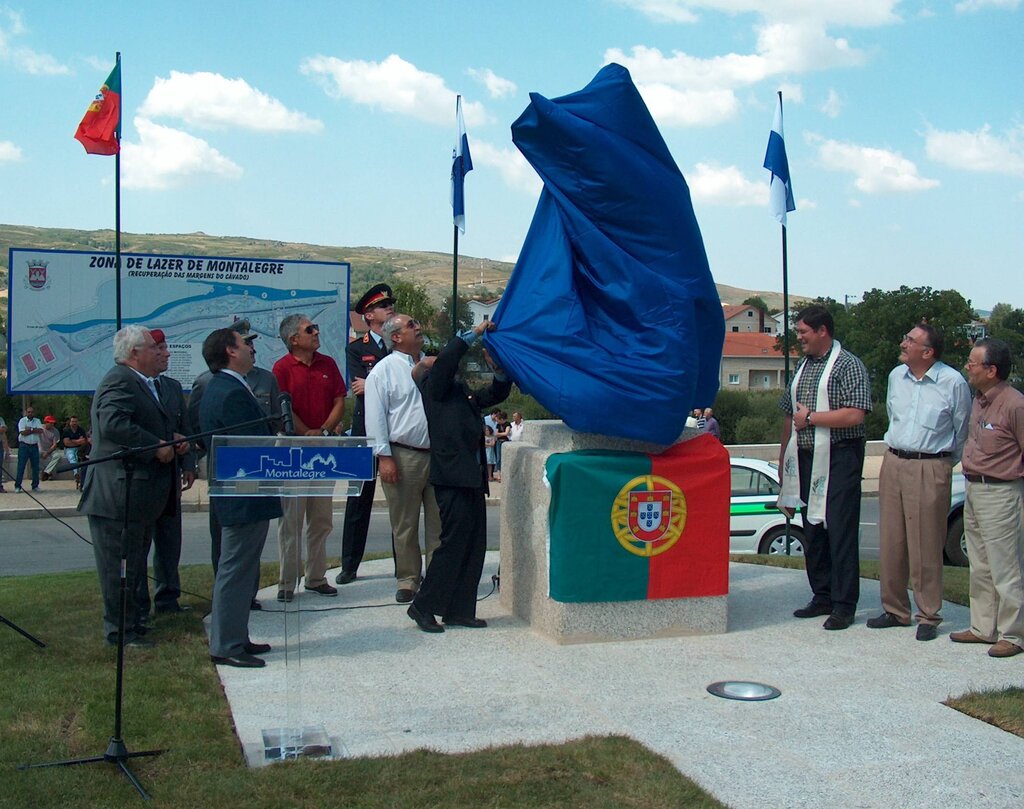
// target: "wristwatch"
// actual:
[[325, 432], [809, 414]]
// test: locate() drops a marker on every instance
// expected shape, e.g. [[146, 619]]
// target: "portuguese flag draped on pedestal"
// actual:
[[626, 526], [99, 131]]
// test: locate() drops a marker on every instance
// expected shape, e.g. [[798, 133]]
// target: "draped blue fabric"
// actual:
[[611, 318]]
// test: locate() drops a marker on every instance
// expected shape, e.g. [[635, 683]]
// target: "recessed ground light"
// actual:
[[743, 690]]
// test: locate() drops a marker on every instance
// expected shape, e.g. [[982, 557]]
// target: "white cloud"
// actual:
[[169, 158], [726, 185], [792, 93], [215, 102], [877, 171], [825, 12], [979, 151], [497, 87], [22, 58], [394, 85], [970, 6], [510, 163], [9, 153], [833, 105]]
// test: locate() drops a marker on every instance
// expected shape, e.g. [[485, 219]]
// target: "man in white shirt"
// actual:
[[929, 404], [30, 431], [397, 425], [515, 429]]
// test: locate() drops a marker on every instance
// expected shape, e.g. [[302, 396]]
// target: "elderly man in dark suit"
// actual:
[[166, 538], [127, 412], [458, 473], [244, 521]]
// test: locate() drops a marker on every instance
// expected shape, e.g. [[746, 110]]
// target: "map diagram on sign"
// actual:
[[62, 310]]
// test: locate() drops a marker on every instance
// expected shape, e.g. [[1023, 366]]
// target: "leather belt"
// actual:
[[987, 479], [918, 456], [406, 446]]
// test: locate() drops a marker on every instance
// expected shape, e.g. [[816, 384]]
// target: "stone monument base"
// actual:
[[525, 562]]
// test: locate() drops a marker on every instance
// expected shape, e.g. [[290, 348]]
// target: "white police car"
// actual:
[[755, 523]]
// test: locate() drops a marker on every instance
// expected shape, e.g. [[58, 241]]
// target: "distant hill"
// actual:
[[433, 271]]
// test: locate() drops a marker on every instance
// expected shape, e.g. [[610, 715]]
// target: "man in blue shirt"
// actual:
[[929, 404]]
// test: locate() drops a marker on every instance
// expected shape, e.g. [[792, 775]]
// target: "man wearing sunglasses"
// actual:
[[318, 403], [398, 424]]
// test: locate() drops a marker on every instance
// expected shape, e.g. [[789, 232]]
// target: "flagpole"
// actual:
[[453, 309], [785, 306], [117, 206]]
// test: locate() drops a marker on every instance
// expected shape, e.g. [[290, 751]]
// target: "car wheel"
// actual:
[[774, 542], [956, 542]]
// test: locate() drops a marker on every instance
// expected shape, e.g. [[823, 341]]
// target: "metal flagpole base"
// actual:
[[283, 744]]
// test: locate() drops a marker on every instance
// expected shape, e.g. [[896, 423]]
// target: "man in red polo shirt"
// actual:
[[318, 403]]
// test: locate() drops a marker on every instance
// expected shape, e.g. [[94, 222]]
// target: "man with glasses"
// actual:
[[994, 507], [376, 306], [396, 420], [928, 404], [318, 403]]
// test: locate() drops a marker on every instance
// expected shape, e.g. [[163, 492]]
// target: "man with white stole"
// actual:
[[821, 461]]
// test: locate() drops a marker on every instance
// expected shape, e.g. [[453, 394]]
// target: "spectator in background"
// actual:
[[515, 429], [73, 440], [5, 450], [501, 435], [30, 431], [711, 424], [489, 442], [50, 449]]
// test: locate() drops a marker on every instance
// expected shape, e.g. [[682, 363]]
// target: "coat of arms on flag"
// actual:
[[655, 514]]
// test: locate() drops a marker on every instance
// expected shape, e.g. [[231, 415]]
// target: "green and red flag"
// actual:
[[627, 526], [100, 130]]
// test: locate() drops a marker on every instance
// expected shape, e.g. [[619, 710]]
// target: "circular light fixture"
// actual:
[[743, 690]]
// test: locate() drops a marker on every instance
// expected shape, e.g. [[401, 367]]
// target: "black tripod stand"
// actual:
[[117, 751], [5, 621]]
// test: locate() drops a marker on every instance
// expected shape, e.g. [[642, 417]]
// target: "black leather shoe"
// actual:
[[323, 589], [255, 605], [812, 610], [345, 577], [927, 632], [256, 648], [242, 660], [472, 623], [885, 621], [425, 621], [836, 621], [404, 596]]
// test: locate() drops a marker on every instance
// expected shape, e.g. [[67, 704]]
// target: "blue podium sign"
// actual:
[[296, 466]]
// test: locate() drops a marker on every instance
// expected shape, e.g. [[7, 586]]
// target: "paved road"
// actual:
[[46, 546]]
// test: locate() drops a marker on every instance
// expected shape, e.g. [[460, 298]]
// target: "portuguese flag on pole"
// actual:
[[626, 526], [100, 130]]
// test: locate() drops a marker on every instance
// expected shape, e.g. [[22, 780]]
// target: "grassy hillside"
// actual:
[[433, 271]]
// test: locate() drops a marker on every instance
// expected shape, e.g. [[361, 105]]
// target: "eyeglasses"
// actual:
[[910, 339], [312, 328]]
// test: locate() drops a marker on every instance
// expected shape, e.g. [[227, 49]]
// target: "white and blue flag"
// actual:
[[462, 164], [780, 194]]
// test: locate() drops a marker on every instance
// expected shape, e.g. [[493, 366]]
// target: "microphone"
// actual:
[[285, 402]]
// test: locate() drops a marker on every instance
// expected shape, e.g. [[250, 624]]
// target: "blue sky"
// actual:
[[334, 122]]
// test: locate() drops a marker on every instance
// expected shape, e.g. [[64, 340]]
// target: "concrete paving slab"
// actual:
[[860, 722]]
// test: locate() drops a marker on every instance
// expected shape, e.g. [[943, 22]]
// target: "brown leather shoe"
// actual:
[[1004, 648], [966, 636]]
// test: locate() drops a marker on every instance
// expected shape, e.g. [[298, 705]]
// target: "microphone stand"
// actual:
[[117, 751]]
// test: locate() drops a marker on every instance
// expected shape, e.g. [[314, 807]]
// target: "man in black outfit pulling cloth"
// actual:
[[458, 472]]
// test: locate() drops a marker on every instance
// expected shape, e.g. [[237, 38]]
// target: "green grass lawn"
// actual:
[[58, 703]]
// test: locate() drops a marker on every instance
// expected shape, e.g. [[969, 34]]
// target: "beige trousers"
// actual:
[[405, 499], [913, 500], [318, 515], [994, 524]]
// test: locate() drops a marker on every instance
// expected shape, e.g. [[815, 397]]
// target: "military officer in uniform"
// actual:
[[376, 306]]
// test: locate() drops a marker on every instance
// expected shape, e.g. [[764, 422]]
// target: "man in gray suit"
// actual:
[[244, 521], [166, 538], [127, 412]]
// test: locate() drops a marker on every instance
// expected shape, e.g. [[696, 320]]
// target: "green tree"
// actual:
[[412, 300], [1007, 324]]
